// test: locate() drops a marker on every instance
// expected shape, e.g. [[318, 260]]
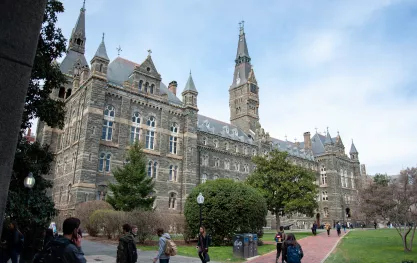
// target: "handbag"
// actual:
[[206, 257]]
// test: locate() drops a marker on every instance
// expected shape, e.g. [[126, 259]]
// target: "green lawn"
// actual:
[[220, 254], [372, 246], [270, 235]]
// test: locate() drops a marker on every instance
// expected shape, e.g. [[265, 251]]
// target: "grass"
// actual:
[[225, 253], [270, 235], [372, 246]]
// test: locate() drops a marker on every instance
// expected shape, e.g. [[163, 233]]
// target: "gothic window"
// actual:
[[246, 151], [237, 166], [254, 152], [253, 88], [107, 131], [323, 176], [140, 85], [151, 90], [173, 172], [227, 164], [226, 146], [173, 139], [205, 160], [150, 134], [136, 118], [326, 212], [236, 148], [216, 162], [152, 169], [172, 200], [216, 143], [203, 178], [104, 162], [324, 196], [346, 178], [134, 134], [246, 168], [146, 87], [61, 93], [205, 141]]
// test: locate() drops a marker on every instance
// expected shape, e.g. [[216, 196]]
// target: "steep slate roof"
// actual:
[[189, 86], [226, 130], [101, 51], [70, 59], [292, 149], [328, 139], [353, 148], [79, 28], [119, 71]]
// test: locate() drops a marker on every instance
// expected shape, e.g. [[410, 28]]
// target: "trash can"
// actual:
[[255, 245], [238, 246], [246, 238]]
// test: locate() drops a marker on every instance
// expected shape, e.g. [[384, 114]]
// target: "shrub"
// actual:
[[109, 221], [147, 223], [83, 211], [229, 207]]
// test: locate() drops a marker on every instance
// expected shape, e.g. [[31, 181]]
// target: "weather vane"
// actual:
[[119, 49], [149, 52]]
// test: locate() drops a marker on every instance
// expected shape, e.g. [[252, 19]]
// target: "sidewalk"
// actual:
[[315, 248]]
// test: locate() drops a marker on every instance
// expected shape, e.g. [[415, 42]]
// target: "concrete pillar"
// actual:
[[20, 24]]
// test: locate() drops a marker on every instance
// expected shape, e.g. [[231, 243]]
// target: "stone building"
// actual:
[[112, 103]]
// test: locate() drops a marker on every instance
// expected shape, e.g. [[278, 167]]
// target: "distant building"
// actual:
[[29, 136], [111, 104]]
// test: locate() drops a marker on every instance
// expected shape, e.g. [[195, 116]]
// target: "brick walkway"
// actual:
[[315, 248]]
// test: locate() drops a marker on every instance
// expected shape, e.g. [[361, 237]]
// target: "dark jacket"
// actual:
[[72, 253], [13, 239], [203, 242], [122, 252], [285, 249]]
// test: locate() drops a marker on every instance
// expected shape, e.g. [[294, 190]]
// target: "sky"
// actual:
[[346, 65]]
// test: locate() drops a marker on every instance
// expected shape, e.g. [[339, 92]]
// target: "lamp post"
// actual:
[[200, 201], [29, 181]]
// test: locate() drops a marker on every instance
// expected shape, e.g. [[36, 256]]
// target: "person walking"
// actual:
[[280, 238], [49, 235], [375, 224], [126, 250], [339, 229], [13, 245], [163, 237], [291, 250], [328, 227], [203, 245], [65, 248], [314, 228], [344, 226]]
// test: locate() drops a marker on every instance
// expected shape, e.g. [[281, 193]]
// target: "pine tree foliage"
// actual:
[[287, 188], [133, 188]]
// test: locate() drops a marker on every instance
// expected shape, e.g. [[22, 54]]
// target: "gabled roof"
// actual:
[[317, 144], [292, 149], [223, 129], [70, 59]]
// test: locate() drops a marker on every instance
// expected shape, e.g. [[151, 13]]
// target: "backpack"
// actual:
[[170, 248], [279, 237], [52, 253], [132, 252], [293, 254], [338, 227]]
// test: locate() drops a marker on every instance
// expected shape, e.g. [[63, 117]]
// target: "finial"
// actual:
[[84, 5], [149, 52], [338, 133], [119, 49], [327, 128], [316, 129], [102, 38], [241, 27], [190, 72]]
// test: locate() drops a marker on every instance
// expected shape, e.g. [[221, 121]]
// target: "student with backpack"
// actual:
[[338, 228], [280, 238], [65, 248], [203, 245], [167, 247], [126, 250], [291, 250]]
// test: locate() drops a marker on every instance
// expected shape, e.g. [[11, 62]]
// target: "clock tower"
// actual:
[[244, 91]]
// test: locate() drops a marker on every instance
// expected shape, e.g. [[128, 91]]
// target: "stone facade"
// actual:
[[111, 104]]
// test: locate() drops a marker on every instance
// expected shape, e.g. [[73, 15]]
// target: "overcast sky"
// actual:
[[347, 65]]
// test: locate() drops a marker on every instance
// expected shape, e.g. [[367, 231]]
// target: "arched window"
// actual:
[[100, 68], [323, 175], [136, 117], [150, 134], [152, 169], [204, 140], [61, 93], [216, 143], [140, 85], [205, 160], [237, 148], [101, 161], [152, 88], [245, 151], [227, 164], [155, 169], [172, 200], [216, 162], [104, 162], [324, 196], [173, 139], [203, 178], [173, 173], [108, 159], [326, 212], [346, 178], [134, 129], [150, 163], [146, 87], [69, 194], [226, 146], [107, 131]]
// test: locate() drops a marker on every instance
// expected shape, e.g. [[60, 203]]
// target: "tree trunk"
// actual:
[[20, 25], [412, 237], [278, 222]]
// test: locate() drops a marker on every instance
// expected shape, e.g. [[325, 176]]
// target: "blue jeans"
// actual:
[[165, 260], [12, 255]]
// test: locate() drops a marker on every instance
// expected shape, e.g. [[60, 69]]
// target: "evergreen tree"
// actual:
[[287, 188], [133, 187]]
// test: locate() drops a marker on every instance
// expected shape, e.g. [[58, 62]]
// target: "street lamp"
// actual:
[[200, 201], [29, 181]]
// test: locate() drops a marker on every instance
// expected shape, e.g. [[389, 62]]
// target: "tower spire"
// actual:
[[77, 39]]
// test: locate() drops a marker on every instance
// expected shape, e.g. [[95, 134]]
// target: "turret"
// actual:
[[77, 39], [100, 61], [190, 93], [354, 155]]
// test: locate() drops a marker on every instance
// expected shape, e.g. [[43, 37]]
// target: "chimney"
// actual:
[[29, 132], [307, 140], [173, 87]]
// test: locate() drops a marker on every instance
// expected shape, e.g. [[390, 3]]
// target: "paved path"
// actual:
[[315, 248], [102, 253]]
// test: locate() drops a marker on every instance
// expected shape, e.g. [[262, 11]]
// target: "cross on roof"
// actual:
[[316, 129], [119, 49], [102, 38], [149, 52]]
